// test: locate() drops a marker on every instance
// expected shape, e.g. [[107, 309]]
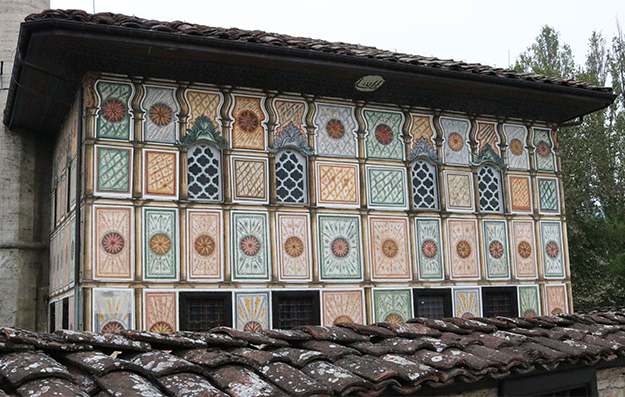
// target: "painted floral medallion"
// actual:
[[384, 134], [429, 249], [552, 249], [516, 147], [525, 249], [113, 110], [160, 244], [495, 249], [248, 121], [335, 129], [250, 245], [161, 114], [113, 243], [204, 245], [294, 247], [463, 248], [455, 141], [340, 247]]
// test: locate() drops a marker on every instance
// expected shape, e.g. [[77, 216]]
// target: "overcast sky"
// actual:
[[488, 32]]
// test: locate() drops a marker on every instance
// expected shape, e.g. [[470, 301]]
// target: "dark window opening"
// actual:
[[295, 308], [432, 303], [200, 311], [52, 323], [500, 301], [575, 382], [65, 318]]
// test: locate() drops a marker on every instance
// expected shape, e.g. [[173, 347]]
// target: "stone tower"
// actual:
[[24, 196]]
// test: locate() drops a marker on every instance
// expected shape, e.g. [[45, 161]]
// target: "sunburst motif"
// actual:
[[335, 129], [467, 315], [161, 114], [455, 141], [113, 110], [529, 313], [248, 121], [113, 243], [516, 147], [384, 134], [543, 149], [552, 249], [161, 327], [340, 247], [250, 245], [112, 326], [394, 318], [204, 245], [252, 326], [524, 249], [495, 249], [342, 319], [160, 244], [463, 249], [390, 248], [429, 248], [294, 247]]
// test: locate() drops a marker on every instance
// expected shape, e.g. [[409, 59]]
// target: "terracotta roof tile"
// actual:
[[338, 379], [52, 387], [190, 385], [20, 367], [241, 382], [293, 381], [300, 43], [129, 384]]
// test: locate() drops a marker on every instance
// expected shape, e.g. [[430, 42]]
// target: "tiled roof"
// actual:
[[349, 359], [273, 39]]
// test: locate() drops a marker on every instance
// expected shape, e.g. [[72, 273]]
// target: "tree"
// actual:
[[593, 167], [547, 56]]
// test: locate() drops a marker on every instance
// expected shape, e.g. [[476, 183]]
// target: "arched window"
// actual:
[[204, 173], [291, 186], [489, 184], [424, 190]]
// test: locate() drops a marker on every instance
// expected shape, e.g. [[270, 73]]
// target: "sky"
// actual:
[[488, 32]]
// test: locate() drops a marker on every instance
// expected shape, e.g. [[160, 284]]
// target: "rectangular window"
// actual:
[[432, 303], [295, 308], [65, 318], [201, 311], [52, 319], [500, 301]]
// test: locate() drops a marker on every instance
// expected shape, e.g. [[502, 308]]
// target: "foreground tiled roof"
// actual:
[[349, 359], [274, 39]]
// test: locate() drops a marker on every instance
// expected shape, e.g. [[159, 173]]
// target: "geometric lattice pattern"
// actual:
[[489, 182], [392, 305], [384, 135], [291, 186], [495, 238], [247, 130], [459, 189], [113, 117], [335, 131], [342, 307], [202, 103], [487, 136], [421, 128], [386, 187], [339, 247], [250, 177], [548, 193], [204, 173], [113, 170], [290, 112], [424, 191], [520, 194], [467, 302], [161, 173], [338, 184]]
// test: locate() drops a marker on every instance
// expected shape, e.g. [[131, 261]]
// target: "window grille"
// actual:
[[489, 183], [295, 308], [291, 177], [204, 173], [432, 303], [500, 302], [203, 311], [424, 192]]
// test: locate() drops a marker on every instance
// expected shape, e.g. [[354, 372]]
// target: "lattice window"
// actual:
[[291, 177], [204, 173], [432, 303], [424, 191], [203, 311], [500, 302], [489, 183], [295, 308]]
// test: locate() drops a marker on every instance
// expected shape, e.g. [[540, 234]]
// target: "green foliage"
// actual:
[[593, 167], [203, 128]]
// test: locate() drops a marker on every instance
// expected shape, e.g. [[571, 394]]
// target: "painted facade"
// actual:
[[198, 189]]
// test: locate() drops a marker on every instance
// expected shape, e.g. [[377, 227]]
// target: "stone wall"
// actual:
[[23, 206], [611, 382]]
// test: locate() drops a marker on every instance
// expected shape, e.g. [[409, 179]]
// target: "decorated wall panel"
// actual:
[[250, 179], [113, 243], [113, 167], [456, 148], [290, 115], [205, 245], [63, 257], [524, 249], [160, 174], [203, 104], [520, 194], [552, 249], [160, 244], [338, 184], [487, 136], [556, 299], [113, 309], [549, 198], [429, 249], [459, 191], [335, 131], [390, 248], [423, 136], [342, 307], [384, 135], [161, 114], [467, 302], [160, 311], [518, 156], [529, 301], [463, 249], [294, 250], [387, 187], [113, 120], [204, 180], [545, 158], [339, 240], [392, 305], [252, 311], [424, 186], [250, 246], [495, 249], [248, 130]]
